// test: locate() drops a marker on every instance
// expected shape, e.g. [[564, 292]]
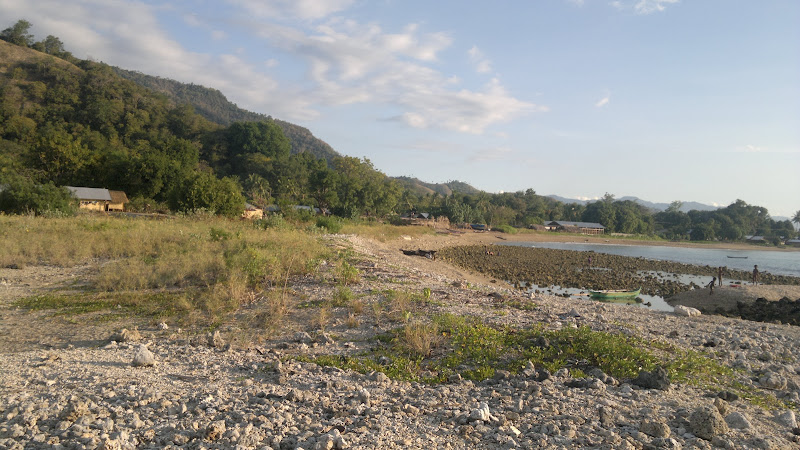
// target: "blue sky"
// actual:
[[694, 100]]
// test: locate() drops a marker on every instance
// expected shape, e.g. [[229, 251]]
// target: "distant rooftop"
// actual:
[[87, 193]]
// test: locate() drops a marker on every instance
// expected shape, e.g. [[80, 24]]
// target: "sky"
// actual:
[[691, 100]]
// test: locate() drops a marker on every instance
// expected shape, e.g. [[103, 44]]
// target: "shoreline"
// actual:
[[571, 238], [444, 238]]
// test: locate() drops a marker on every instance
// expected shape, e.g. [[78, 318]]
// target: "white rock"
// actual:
[[143, 357], [686, 311], [787, 418], [738, 421]]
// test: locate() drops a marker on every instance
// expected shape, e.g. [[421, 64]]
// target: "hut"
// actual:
[[252, 212], [91, 199], [576, 227], [118, 200]]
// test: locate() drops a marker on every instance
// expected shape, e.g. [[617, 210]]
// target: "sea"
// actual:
[[777, 262]]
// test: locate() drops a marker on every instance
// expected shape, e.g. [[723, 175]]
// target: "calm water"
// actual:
[[775, 262]]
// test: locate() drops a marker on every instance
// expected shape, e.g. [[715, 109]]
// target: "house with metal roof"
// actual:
[[576, 227], [92, 199]]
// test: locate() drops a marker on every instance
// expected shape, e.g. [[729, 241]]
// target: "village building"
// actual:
[[118, 200], [252, 212], [91, 199], [576, 227]]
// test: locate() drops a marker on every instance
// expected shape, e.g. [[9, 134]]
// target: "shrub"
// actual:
[[331, 224], [23, 196], [506, 229]]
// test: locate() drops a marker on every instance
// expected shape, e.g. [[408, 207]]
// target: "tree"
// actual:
[[23, 196], [53, 46], [796, 218], [675, 206], [18, 34], [59, 156], [204, 191], [258, 189]]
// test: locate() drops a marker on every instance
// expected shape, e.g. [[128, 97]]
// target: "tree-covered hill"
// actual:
[[65, 121], [423, 188], [214, 106]]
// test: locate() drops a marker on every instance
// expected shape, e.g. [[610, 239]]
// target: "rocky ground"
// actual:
[[79, 384]]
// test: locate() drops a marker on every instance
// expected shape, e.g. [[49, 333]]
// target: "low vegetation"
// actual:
[[432, 349], [201, 268]]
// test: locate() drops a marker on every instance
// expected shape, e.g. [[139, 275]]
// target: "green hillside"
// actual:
[[422, 188], [75, 122], [214, 106]]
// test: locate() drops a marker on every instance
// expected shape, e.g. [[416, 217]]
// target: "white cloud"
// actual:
[[288, 9], [482, 65], [603, 101], [643, 6], [350, 62], [651, 6], [347, 62]]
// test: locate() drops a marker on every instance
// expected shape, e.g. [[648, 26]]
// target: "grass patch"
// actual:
[[157, 305], [342, 296], [452, 344]]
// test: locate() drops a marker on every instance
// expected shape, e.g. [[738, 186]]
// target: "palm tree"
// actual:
[[796, 218]]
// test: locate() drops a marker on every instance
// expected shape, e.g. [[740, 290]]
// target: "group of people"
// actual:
[[718, 279]]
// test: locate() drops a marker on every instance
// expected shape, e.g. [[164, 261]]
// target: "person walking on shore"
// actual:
[[719, 275], [755, 275]]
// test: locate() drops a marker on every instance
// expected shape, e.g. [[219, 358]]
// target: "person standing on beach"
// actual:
[[719, 275], [755, 275], [711, 285]]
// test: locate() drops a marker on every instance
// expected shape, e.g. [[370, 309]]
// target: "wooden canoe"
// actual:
[[614, 294]]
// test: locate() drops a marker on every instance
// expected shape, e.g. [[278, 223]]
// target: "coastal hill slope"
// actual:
[[214, 106]]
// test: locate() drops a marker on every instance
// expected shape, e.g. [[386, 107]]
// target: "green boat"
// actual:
[[614, 295]]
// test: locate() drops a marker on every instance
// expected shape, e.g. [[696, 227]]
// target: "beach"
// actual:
[[75, 382]]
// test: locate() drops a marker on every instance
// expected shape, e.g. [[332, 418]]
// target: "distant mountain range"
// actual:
[[685, 207]]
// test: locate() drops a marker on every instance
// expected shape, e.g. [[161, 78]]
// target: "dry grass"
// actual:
[[221, 264], [420, 338]]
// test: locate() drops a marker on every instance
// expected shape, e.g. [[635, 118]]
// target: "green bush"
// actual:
[[331, 224], [505, 229], [22, 196]]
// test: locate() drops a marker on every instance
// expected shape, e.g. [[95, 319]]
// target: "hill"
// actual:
[[214, 106], [423, 188], [656, 207]]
